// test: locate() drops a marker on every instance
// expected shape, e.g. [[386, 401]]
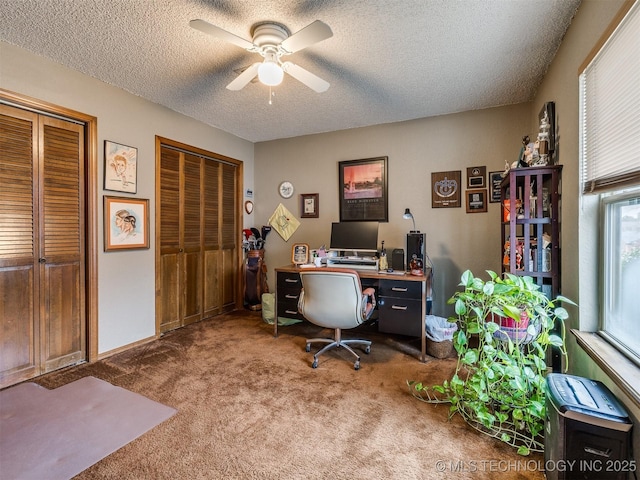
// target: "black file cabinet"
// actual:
[[288, 290], [400, 307]]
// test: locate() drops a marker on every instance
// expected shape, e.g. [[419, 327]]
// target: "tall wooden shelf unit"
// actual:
[[531, 218]]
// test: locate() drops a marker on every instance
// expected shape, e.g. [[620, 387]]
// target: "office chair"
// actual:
[[333, 298]]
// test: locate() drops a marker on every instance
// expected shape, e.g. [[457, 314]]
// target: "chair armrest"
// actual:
[[368, 302]]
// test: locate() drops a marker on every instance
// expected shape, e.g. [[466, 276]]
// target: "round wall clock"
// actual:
[[286, 189], [248, 206]]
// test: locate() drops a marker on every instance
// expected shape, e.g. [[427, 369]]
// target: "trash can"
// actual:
[[440, 337], [587, 432]]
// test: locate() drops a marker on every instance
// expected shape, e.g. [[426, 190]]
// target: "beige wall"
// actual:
[[579, 214], [126, 281], [455, 240]]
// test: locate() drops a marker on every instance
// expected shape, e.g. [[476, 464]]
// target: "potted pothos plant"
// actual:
[[499, 384]]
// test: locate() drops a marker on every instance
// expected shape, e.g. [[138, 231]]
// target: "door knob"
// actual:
[[42, 260]]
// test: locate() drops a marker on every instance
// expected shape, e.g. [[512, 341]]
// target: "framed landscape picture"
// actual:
[[363, 190]]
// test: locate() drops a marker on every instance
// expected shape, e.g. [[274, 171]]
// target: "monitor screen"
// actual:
[[354, 236]]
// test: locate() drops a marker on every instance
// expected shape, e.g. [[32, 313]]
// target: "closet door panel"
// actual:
[[19, 342], [211, 239], [63, 314], [62, 249], [192, 241], [229, 236], [18, 352], [169, 244], [212, 291], [170, 293]]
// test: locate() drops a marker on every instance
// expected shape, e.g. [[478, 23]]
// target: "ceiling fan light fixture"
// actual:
[[270, 73]]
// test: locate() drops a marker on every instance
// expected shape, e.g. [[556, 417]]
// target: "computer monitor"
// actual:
[[354, 236]]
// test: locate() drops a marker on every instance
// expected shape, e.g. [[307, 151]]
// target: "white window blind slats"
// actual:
[[610, 109]]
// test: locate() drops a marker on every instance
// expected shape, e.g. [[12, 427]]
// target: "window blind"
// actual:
[[610, 110]]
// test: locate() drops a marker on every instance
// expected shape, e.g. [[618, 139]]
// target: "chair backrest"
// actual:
[[332, 298]]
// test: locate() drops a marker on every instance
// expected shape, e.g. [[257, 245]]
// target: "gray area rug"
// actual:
[[56, 434]]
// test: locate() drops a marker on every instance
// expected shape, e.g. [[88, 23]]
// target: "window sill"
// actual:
[[623, 372]]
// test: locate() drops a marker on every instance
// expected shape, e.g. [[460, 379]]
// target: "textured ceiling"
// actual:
[[388, 60]]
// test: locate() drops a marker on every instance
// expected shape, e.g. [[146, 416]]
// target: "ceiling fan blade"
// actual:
[[218, 32], [313, 33], [244, 78], [304, 76]]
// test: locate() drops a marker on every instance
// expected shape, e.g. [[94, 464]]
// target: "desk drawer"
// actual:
[[289, 280], [400, 289], [288, 295], [289, 311], [400, 316]]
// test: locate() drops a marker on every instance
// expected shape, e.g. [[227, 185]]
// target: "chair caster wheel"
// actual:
[[308, 347], [367, 350], [356, 366], [314, 364]]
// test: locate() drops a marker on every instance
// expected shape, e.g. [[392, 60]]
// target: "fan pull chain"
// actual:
[[271, 95]]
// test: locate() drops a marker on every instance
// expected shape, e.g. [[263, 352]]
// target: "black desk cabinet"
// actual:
[[400, 307], [288, 292]]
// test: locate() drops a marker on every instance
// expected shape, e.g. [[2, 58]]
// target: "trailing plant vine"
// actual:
[[499, 385]]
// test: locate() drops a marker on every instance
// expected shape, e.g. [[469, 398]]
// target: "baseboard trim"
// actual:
[[123, 348]]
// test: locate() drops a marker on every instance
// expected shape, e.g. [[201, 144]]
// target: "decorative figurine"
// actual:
[[416, 266]]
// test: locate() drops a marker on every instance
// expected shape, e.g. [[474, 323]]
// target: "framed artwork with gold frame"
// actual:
[[126, 223], [300, 253]]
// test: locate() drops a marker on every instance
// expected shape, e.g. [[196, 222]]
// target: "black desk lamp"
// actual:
[[408, 215]]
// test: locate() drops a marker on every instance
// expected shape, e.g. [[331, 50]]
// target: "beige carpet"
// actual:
[[56, 434], [251, 407]]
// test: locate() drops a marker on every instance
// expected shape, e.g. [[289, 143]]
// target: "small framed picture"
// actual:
[[476, 177], [495, 179], [477, 200], [120, 167], [309, 205], [300, 253], [126, 223]]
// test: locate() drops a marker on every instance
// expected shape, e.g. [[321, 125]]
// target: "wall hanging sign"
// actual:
[[476, 177], [445, 189], [495, 179], [120, 167], [363, 190], [126, 223], [284, 222], [310, 206], [476, 200]]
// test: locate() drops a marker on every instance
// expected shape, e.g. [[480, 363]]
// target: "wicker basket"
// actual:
[[442, 349]]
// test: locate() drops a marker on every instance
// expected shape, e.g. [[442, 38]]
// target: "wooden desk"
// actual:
[[402, 300]]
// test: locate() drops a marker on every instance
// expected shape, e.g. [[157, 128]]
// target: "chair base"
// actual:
[[336, 343]]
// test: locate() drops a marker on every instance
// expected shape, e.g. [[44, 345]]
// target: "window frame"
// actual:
[[607, 261]]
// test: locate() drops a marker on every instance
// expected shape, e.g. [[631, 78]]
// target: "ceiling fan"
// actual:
[[272, 41]]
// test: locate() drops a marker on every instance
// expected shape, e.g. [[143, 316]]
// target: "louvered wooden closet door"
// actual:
[[198, 238], [61, 257], [42, 311]]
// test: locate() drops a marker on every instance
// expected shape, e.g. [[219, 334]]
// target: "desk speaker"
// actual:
[[397, 259]]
